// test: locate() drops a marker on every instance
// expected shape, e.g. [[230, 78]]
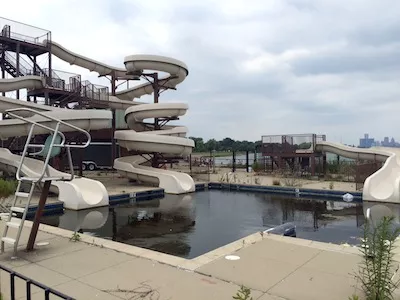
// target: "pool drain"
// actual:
[[232, 257]]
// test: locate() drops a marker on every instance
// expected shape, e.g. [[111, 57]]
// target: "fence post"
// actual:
[[247, 161], [209, 166]]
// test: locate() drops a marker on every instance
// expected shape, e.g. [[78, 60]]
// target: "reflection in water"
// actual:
[[392, 209], [158, 227], [191, 225]]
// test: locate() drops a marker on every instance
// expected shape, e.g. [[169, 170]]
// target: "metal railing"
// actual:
[[94, 92], [29, 282], [24, 66], [56, 133], [24, 32]]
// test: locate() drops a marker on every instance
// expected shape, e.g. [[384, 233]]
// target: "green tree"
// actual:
[[212, 145], [227, 144]]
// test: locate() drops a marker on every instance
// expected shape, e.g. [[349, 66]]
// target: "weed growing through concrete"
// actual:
[[75, 237], [243, 294], [378, 266]]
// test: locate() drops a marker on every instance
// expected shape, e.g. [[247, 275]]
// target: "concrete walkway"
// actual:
[[273, 267]]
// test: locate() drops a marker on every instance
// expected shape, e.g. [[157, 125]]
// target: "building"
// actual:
[[366, 142]]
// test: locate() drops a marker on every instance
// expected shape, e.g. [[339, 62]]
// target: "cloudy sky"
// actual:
[[255, 67]]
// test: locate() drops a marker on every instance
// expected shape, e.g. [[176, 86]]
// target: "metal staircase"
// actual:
[[57, 140], [25, 68]]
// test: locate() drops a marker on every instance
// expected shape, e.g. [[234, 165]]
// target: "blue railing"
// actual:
[[29, 282]]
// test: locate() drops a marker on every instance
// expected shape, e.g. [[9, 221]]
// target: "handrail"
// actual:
[[53, 119], [24, 66], [29, 282], [56, 132], [45, 170]]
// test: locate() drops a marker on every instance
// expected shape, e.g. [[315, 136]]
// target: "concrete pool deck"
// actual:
[[274, 267]]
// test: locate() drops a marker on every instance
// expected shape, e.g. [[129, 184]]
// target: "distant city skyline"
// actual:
[[367, 142]]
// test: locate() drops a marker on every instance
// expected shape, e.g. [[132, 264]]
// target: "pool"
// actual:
[[191, 225]]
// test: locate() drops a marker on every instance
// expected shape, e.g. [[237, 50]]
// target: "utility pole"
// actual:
[[113, 91]]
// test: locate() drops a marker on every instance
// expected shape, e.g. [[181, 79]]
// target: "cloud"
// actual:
[[255, 67]]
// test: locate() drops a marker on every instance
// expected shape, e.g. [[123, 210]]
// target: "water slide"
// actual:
[[384, 184], [80, 193], [169, 140]]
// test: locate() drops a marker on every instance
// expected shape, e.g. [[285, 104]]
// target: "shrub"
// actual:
[[292, 181], [378, 264], [276, 182], [7, 188], [257, 167]]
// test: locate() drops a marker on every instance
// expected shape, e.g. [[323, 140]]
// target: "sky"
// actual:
[[255, 67]]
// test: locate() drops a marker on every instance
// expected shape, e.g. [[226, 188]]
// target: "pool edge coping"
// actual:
[[201, 260]]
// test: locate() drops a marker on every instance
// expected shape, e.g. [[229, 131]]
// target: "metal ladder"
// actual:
[[12, 221]]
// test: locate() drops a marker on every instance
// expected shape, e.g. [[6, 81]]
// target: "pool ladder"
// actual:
[[57, 140]]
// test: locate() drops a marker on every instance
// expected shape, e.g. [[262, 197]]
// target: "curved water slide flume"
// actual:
[[169, 140], [384, 184], [80, 193]]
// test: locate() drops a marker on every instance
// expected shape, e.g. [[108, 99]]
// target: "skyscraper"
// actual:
[[366, 142]]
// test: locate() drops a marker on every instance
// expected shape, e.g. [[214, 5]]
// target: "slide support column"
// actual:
[[17, 63], [113, 152]]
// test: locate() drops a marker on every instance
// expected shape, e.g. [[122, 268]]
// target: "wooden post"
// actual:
[[38, 215], [312, 165], [324, 164]]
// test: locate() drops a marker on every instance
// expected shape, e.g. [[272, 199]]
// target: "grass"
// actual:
[[7, 188], [331, 185]]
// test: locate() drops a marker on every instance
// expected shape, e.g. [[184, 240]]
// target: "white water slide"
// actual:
[[384, 184], [170, 140], [80, 193]]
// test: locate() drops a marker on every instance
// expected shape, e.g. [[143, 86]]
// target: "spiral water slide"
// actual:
[[170, 140], [80, 193], [384, 184]]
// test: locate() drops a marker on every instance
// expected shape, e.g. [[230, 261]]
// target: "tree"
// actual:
[[212, 145], [227, 144]]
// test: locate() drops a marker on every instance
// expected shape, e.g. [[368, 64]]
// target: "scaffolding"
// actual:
[[293, 153]]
